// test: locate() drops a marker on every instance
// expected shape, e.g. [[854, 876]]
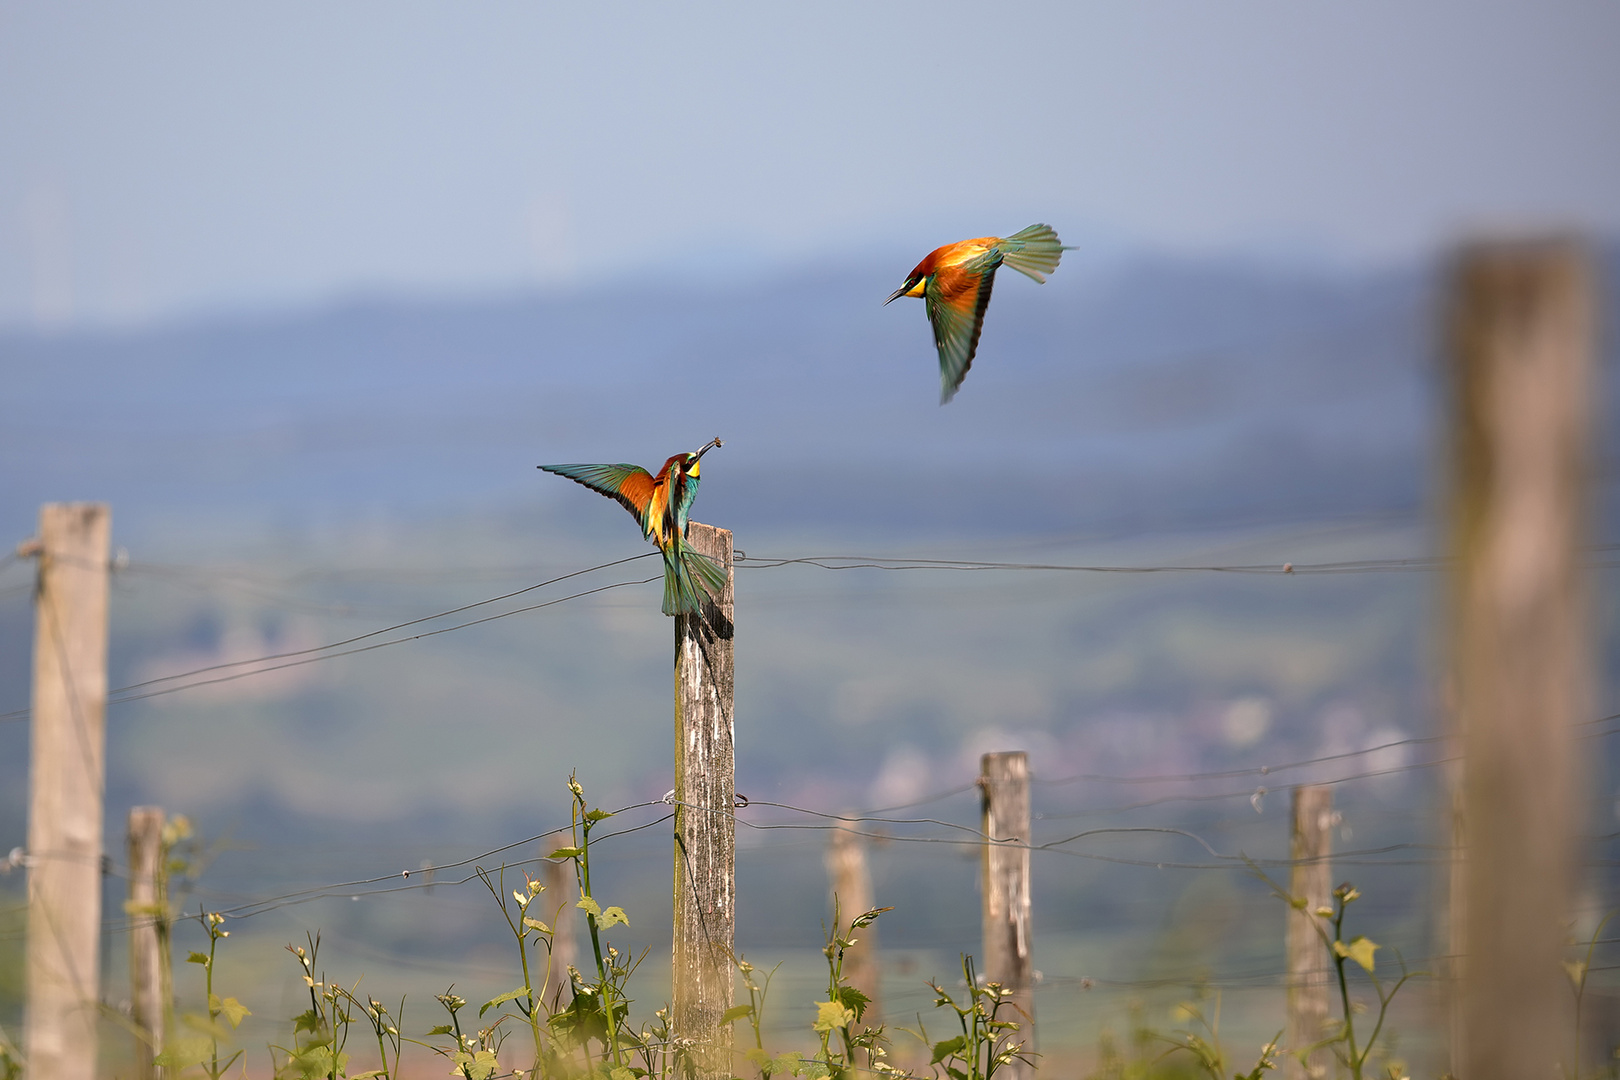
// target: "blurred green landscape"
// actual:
[[281, 484]]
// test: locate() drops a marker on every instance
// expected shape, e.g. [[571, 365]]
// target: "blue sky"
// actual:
[[166, 159]]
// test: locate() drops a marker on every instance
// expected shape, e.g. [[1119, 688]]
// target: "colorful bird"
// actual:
[[661, 504], [955, 281]]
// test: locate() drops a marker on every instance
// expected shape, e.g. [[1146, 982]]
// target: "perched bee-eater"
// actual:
[[955, 281], [661, 504]]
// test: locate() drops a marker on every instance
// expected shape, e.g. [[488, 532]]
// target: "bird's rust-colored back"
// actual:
[[954, 254]]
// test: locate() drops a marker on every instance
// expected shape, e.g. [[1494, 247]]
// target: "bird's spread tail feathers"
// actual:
[[688, 576], [1034, 251]]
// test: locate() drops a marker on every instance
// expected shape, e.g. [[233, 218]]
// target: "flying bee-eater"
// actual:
[[955, 283], [661, 505]]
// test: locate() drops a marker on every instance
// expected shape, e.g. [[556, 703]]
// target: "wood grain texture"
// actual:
[[1308, 963], [66, 778], [148, 903], [1008, 957], [705, 826]]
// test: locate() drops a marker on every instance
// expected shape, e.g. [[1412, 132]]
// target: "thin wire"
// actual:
[[263, 905], [122, 695], [1259, 770], [378, 645], [979, 838], [1249, 794], [1266, 770], [879, 562], [1356, 857], [384, 630], [947, 793]]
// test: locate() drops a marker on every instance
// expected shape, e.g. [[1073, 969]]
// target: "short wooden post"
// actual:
[[1008, 959], [705, 829], [562, 890], [66, 776], [851, 883], [147, 912], [1457, 907], [1311, 879], [1521, 366]]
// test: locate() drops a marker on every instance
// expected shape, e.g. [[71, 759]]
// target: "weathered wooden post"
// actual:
[[147, 910], [1521, 323], [705, 829], [851, 884], [1311, 879], [67, 770], [1008, 959]]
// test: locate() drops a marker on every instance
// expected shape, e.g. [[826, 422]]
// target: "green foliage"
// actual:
[[1328, 922], [11, 1059], [987, 1041], [846, 1044], [589, 1032], [192, 1046], [1205, 1046], [573, 1027], [321, 1032]]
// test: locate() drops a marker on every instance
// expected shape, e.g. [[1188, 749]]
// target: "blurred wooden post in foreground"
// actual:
[[1311, 877], [1521, 323], [1004, 788], [562, 891], [851, 883], [146, 913], [66, 777], [705, 828]]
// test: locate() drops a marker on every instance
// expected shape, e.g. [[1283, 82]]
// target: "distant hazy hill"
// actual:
[[1155, 391]]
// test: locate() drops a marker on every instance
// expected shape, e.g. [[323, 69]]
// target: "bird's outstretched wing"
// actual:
[[631, 485], [956, 299]]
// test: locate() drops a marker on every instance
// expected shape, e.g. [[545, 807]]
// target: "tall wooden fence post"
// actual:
[[1008, 959], [705, 829], [851, 884], [147, 912], [66, 777], [1311, 878], [1521, 366]]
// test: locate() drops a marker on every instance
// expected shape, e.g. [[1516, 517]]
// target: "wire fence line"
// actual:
[[956, 834], [873, 825], [260, 665], [277, 661]]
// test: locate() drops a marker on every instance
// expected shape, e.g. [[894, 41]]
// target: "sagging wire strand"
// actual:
[[1419, 564], [959, 835], [296, 657], [395, 882], [399, 881], [862, 562], [263, 664]]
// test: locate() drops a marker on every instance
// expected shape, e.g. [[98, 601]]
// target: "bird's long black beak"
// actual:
[[710, 445], [898, 293]]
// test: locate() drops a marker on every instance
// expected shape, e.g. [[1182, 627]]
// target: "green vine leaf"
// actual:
[[948, 1048], [831, 1015], [230, 1008], [1360, 950]]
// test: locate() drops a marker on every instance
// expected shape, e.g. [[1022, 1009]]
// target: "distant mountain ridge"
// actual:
[[1181, 384]]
